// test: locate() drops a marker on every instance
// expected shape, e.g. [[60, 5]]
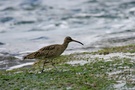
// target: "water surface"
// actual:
[[27, 25]]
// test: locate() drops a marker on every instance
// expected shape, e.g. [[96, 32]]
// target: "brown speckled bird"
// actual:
[[51, 51]]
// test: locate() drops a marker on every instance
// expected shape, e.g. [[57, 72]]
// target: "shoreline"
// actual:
[[85, 70]]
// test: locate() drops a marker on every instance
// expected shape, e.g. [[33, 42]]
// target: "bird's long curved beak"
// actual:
[[77, 41]]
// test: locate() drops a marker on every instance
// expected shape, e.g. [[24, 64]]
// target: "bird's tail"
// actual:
[[30, 56]]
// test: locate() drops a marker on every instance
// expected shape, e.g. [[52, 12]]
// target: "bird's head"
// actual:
[[69, 39]]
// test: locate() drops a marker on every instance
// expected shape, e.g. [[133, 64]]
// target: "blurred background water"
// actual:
[[27, 25]]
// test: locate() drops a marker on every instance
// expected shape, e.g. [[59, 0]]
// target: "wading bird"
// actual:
[[51, 51]]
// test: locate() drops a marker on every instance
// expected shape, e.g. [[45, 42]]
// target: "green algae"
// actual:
[[97, 74]]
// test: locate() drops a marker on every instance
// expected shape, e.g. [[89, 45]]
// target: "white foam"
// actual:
[[81, 62], [19, 66], [121, 55], [114, 73], [119, 84]]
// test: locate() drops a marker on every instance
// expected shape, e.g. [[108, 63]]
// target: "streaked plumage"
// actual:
[[51, 51]]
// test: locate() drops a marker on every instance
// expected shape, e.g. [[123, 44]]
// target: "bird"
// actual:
[[51, 51]]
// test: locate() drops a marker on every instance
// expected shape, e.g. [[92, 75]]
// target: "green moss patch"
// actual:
[[99, 72], [124, 49]]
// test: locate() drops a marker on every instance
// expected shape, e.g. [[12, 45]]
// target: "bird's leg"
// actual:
[[43, 66], [53, 64]]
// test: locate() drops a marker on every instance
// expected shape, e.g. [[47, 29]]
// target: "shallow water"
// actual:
[[27, 25]]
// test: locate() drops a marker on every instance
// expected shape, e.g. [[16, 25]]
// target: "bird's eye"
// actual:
[[69, 38]]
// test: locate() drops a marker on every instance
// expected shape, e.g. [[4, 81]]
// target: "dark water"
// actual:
[[27, 25]]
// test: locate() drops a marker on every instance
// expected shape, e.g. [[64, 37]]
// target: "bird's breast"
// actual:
[[59, 50]]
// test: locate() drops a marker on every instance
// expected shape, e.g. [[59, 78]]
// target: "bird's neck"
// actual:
[[65, 44]]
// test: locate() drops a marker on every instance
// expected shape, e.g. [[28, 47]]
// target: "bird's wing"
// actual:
[[46, 48], [48, 51], [45, 52]]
